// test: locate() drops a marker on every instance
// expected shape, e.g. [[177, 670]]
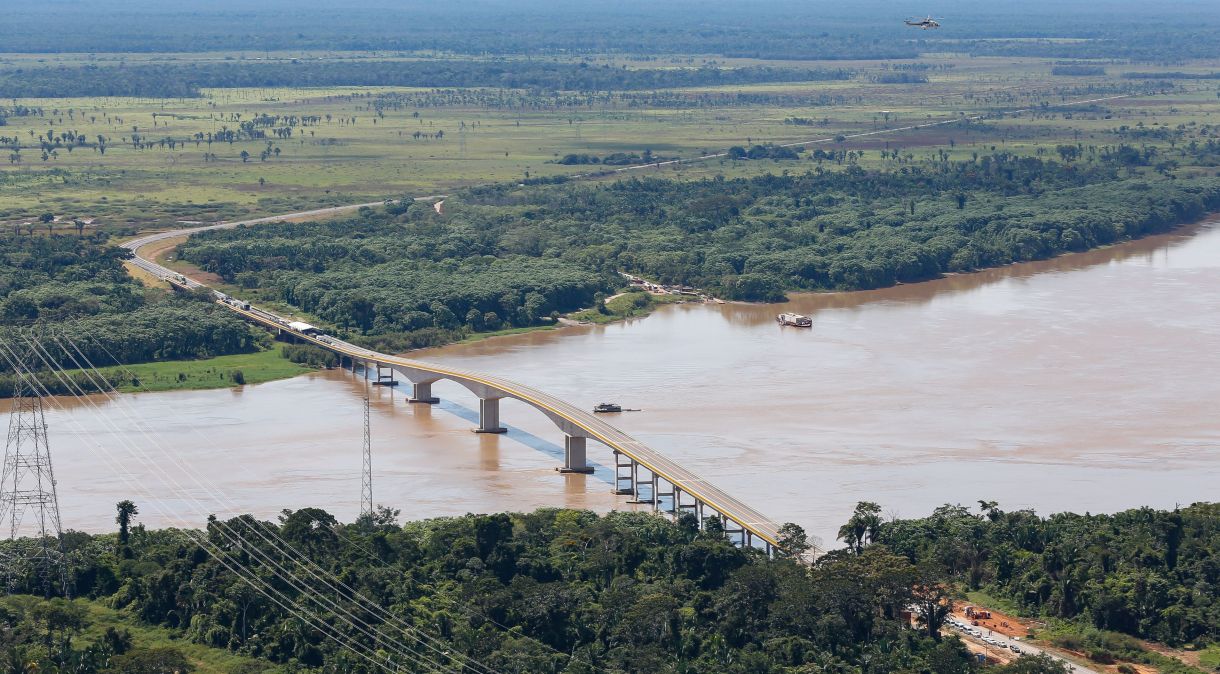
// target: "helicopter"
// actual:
[[924, 23]]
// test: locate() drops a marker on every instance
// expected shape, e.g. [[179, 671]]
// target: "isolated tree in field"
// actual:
[[46, 217], [80, 226], [862, 527], [126, 510], [245, 156]]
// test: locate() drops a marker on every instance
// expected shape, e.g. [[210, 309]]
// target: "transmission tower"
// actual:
[[27, 490], [366, 476]]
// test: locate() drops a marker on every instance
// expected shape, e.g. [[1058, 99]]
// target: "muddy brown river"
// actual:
[[1088, 383]]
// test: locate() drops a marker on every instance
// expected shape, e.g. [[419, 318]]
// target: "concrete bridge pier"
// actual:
[[658, 494], [386, 377], [642, 496], [421, 392], [574, 460], [489, 416], [619, 477]]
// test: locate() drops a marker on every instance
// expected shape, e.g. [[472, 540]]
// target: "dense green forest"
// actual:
[[172, 80], [1147, 573], [549, 591], [77, 287], [787, 29], [506, 255]]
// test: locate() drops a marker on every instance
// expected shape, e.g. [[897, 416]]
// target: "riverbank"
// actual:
[[633, 304], [210, 373]]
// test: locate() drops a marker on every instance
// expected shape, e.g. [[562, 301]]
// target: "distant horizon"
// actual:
[[540, 27]]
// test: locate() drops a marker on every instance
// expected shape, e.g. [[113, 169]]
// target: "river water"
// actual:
[[1089, 382]]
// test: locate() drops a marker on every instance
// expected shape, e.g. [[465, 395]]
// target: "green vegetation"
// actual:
[[785, 29], [646, 595], [419, 290], [549, 591], [130, 162], [307, 354], [1145, 573], [77, 287], [219, 372], [479, 336], [1107, 648], [1210, 657], [506, 255], [183, 81], [93, 635], [625, 305]]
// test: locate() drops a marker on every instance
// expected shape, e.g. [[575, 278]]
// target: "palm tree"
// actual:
[[863, 526]]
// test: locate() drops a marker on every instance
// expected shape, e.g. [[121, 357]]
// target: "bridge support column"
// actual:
[[489, 416], [636, 482], [619, 477], [657, 494], [384, 379], [574, 455], [422, 393]]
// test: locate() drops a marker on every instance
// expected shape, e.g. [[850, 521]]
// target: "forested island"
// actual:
[[571, 591]]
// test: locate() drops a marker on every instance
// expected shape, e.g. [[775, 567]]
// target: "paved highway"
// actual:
[[686, 480], [1000, 642]]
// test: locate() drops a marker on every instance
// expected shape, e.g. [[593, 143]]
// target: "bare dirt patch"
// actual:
[[161, 251]]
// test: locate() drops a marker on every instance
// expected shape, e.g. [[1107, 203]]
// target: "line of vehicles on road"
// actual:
[[971, 630]]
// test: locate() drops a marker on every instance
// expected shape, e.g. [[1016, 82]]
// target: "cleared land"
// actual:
[[348, 144]]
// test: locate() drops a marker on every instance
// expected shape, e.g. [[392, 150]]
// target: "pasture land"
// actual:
[[140, 162]]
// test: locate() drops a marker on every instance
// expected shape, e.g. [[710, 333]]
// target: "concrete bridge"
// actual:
[[640, 471]]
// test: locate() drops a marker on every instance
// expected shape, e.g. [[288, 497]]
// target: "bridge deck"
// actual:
[[660, 465]]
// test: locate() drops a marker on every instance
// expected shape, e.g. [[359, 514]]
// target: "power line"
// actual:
[[324, 602], [284, 548], [219, 554], [28, 486], [342, 531]]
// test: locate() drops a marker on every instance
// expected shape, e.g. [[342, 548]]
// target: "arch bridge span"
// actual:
[[642, 473]]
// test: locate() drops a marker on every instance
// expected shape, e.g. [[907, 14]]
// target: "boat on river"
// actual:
[[608, 407], [795, 320]]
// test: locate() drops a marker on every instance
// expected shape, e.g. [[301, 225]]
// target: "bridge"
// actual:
[[641, 472]]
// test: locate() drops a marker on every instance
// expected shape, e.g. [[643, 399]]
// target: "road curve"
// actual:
[[567, 416]]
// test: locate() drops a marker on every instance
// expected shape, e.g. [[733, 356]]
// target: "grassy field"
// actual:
[[219, 372], [1210, 657], [627, 305], [99, 617], [355, 153]]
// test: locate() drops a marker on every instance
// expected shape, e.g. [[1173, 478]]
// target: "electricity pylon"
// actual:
[[366, 476], [27, 489]]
